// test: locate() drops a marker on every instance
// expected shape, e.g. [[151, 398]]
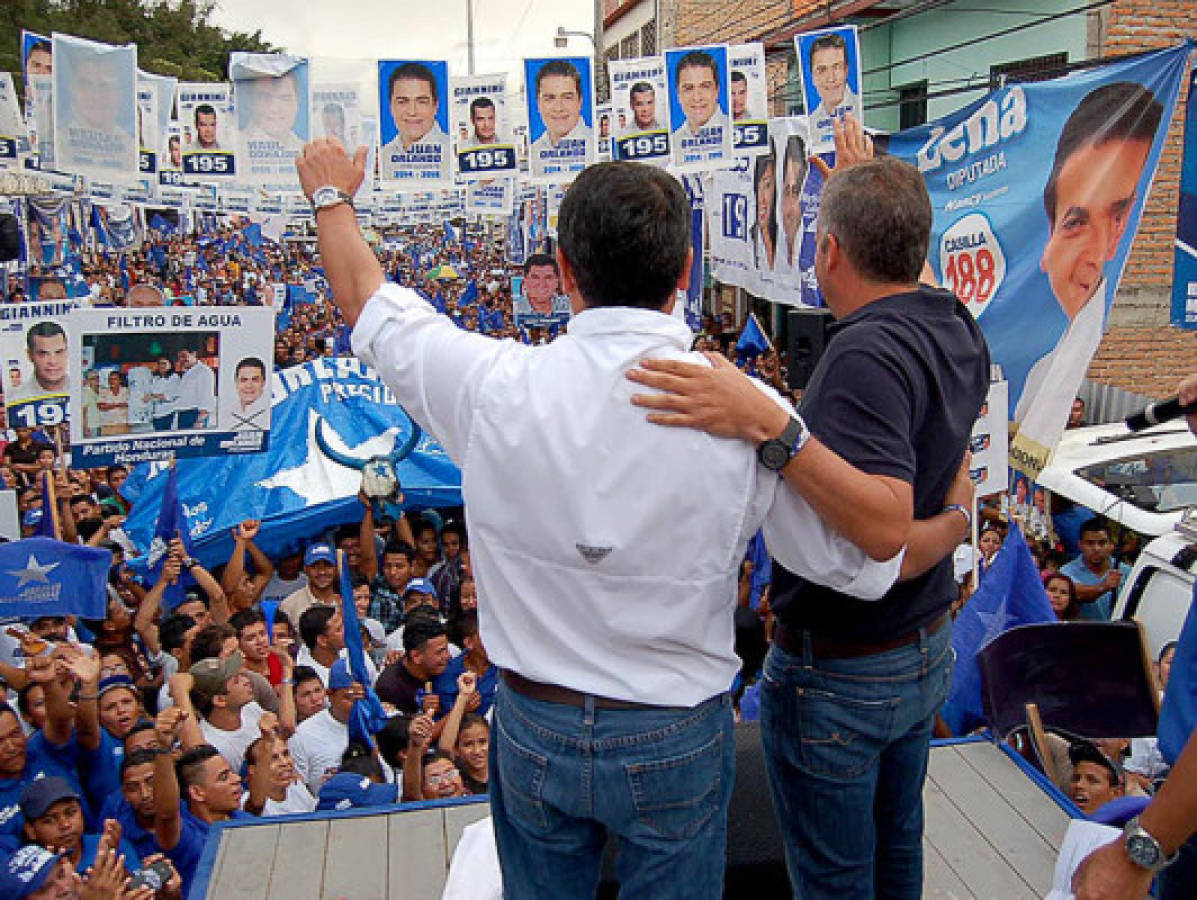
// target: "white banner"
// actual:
[[273, 117], [749, 99], [95, 109], [209, 131], [640, 101]]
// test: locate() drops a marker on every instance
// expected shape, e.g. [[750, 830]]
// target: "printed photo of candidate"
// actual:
[[37, 54], [273, 110], [1089, 199], [830, 72], [414, 109], [539, 293], [559, 105], [793, 175], [46, 348], [484, 122], [642, 99], [698, 79], [95, 105], [251, 409], [764, 224], [207, 128]]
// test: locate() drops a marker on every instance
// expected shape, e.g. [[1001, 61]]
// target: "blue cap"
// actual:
[[27, 871], [319, 553], [39, 795], [419, 586], [33, 516], [347, 790], [116, 681], [339, 676]]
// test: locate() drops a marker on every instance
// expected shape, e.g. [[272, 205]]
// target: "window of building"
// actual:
[[648, 39], [912, 100], [1036, 68], [629, 47]]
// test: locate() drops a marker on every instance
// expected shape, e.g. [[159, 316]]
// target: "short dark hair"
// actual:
[[697, 59], [204, 109], [189, 766], [172, 633], [827, 42], [462, 626], [209, 641], [393, 739], [421, 628], [139, 726], [243, 618], [880, 213], [540, 259], [413, 71], [737, 76], [399, 548], [562, 67], [314, 622], [305, 673], [480, 103], [251, 362], [1094, 526], [358, 759], [43, 330], [642, 87], [625, 230], [144, 757], [1122, 111]]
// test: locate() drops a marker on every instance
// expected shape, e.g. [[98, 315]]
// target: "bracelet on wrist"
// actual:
[[963, 510]]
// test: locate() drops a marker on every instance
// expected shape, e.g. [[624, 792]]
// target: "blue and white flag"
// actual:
[[1178, 716], [367, 716], [171, 524], [1184, 278], [294, 489], [43, 577], [1011, 594], [752, 341]]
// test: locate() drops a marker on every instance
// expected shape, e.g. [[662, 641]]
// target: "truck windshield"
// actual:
[[1159, 481]]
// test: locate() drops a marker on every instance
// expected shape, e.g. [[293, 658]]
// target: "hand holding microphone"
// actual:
[[1183, 404]]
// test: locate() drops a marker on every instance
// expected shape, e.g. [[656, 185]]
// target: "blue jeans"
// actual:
[[846, 744], [659, 779]]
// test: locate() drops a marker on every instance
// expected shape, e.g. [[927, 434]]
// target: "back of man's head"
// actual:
[[314, 622], [880, 214], [624, 229]]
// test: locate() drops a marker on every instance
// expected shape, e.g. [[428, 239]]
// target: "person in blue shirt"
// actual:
[[463, 631], [133, 806], [1094, 572], [53, 812]]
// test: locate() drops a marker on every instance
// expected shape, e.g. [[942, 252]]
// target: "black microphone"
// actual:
[[1160, 411]]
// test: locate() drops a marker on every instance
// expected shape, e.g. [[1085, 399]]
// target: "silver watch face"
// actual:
[[1143, 851], [326, 196]]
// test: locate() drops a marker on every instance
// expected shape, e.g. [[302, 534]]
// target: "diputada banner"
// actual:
[[1184, 278], [1037, 190], [295, 488]]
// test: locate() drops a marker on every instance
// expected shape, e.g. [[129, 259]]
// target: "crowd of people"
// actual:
[[212, 694]]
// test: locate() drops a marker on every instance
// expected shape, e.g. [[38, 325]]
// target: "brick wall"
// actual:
[[713, 21]]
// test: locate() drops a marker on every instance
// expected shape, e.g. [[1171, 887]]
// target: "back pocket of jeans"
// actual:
[[676, 797], [521, 775], [841, 736]]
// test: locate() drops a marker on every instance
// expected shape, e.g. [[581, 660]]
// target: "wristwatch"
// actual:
[[1143, 849], [329, 196], [776, 452]]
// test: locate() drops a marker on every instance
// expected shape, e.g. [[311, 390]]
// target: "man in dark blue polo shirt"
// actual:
[[851, 687]]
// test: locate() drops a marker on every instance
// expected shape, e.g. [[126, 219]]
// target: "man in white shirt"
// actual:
[[223, 696], [322, 630], [195, 405], [613, 628], [320, 741], [275, 788], [164, 392]]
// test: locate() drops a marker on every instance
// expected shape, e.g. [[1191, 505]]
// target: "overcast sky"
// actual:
[[505, 31]]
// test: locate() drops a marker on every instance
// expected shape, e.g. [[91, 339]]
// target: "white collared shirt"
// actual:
[[607, 548]]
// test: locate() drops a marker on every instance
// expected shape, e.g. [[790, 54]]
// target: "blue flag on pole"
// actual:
[[43, 577], [367, 716], [48, 526], [171, 524], [1178, 717], [1011, 594], [469, 296], [752, 340]]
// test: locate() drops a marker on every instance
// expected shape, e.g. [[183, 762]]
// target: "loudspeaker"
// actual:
[[806, 331], [10, 238]]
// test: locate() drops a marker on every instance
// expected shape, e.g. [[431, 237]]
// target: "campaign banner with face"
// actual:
[[14, 141], [155, 97], [537, 299], [338, 111], [829, 72], [1036, 191], [117, 226], [50, 220], [33, 347], [37, 58], [638, 99], [490, 198], [41, 88], [413, 109], [606, 132], [209, 131], [560, 96], [170, 158], [699, 125], [168, 382], [95, 109], [749, 99], [762, 215], [1184, 277], [989, 466], [273, 124], [483, 127], [527, 228]]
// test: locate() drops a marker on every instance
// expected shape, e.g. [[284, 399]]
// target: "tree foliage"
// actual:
[[173, 37]]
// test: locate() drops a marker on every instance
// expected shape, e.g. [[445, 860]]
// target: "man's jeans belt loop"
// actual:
[[826, 648], [553, 693]]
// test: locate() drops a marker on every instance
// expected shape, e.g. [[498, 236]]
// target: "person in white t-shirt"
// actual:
[[275, 788], [223, 696], [320, 741], [322, 630]]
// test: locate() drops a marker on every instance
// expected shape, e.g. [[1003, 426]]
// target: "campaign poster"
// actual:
[[485, 144], [490, 198], [272, 102], [749, 99], [604, 147], [1184, 278], [14, 140], [988, 443], [37, 59], [168, 383], [1037, 190], [209, 131], [41, 88], [336, 112], [33, 347], [763, 212], [170, 158], [95, 109], [699, 125], [48, 228], [413, 112], [560, 96], [537, 300], [155, 97], [829, 72], [638, 98], [528, 225], [117, 226]]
